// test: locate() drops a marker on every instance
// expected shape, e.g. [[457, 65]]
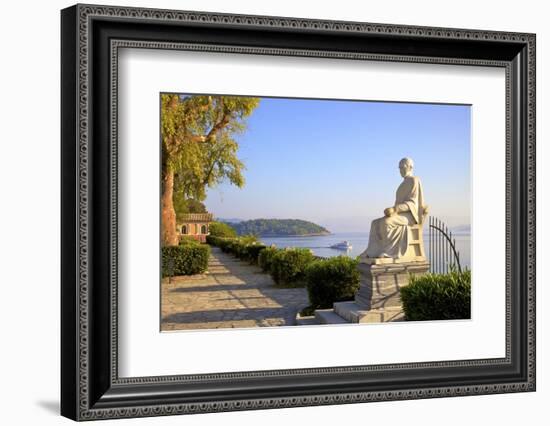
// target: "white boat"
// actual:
[[344, 245]]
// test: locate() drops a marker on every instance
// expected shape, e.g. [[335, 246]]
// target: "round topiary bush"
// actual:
[[332, 280], [288, 266]]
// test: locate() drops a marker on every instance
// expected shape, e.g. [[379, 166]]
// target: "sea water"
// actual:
[[320, 244]]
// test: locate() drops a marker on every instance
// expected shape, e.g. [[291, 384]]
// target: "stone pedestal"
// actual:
[[378, 298]]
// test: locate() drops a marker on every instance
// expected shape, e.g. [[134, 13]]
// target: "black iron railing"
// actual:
[[442, 251]]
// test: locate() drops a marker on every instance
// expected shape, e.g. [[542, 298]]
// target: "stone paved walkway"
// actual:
[[232, 294]]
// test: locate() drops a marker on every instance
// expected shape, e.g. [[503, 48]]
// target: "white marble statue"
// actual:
[[390, 235]]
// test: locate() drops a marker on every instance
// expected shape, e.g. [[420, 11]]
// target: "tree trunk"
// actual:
[[168, 226]]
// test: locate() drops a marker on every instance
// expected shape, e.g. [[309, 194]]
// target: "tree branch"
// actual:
[[212, 160]]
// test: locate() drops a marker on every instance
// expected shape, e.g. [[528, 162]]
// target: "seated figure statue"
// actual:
[[398, 235]]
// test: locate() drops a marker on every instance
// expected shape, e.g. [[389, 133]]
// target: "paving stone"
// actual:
[[231, 294]]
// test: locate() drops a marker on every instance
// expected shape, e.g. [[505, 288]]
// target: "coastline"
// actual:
[[316, 234], [321, 244]]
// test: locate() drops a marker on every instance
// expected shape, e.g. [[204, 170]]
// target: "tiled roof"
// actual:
[[196, 217]]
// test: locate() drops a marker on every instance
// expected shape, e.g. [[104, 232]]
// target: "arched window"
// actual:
[[184, 229], [203, 229]]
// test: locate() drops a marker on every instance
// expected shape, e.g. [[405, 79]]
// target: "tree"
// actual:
[[184, 205], [198, 148], [221, 229]]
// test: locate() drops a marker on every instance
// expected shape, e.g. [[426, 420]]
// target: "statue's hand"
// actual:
[[389, 211]]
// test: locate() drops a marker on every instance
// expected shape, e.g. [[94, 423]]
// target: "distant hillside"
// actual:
[[229, 219], [278, 228]]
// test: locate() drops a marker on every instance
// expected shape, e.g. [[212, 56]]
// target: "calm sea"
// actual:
[[358, 240]]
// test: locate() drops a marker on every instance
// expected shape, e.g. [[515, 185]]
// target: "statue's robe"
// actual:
[[389, 236]]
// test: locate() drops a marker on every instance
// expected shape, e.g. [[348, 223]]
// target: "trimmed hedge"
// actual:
[[329, 280], [235, 247], [335, 279], [245, 248], [253, 252], [288, 266], [438, 297], [220, 242], [185, 240], [265, 258], [185, 259], [213, 240]]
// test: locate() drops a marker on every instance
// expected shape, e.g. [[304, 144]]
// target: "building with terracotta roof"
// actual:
[[195, 225]]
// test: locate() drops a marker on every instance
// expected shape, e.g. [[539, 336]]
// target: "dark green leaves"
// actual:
[[335, 279], [438, 297]]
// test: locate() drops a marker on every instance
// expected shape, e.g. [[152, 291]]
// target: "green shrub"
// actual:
[[253, 252], [308, 311], [240, 246], [187, 240], [231, 246], [332, 280], [236, 246], [220, 229], [227, 245], [265, 258], [248, 239], [213, 240], [224, 244], [437, 297], [288, 266], [186, 259], [238, 249]]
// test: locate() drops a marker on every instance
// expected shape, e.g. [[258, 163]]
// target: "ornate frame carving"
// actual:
[[91, 388]]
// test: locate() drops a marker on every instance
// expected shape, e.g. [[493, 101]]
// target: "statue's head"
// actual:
[[406, 166]]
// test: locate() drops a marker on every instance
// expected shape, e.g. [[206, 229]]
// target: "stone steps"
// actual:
[[328, 316], [351, 313], [378, 298], [310, 320]]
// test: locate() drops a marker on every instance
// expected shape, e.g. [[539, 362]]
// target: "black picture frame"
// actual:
[[90, 386]]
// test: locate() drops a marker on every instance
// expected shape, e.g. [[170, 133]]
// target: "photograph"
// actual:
[[267, 209], [280, 211]]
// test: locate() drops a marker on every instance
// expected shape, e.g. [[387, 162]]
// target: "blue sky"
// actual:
[[336, 162]]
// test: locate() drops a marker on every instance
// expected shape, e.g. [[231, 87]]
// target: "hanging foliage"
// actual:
[[198, 148]]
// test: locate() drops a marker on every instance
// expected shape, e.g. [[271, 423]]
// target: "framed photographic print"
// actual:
[[263, 212]]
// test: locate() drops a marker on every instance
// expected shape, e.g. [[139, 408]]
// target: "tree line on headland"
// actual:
[[278, 228]]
